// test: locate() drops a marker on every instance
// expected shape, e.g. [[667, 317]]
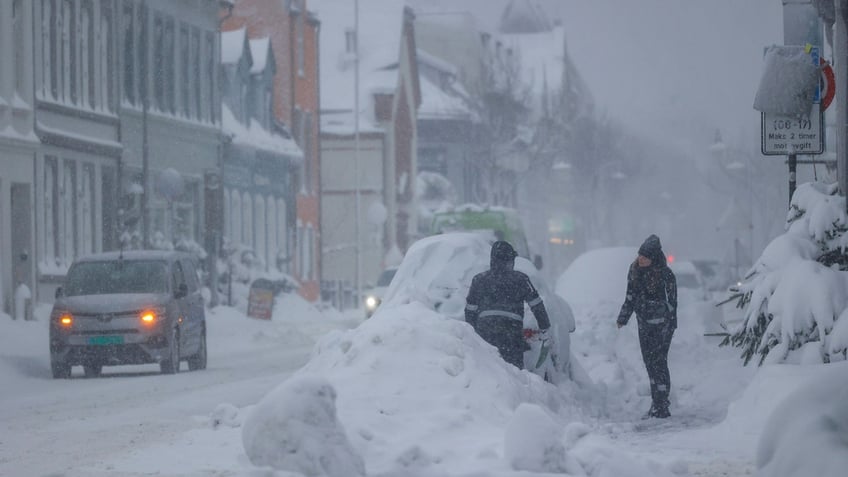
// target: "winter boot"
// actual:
[[651, 413], [661, 412]]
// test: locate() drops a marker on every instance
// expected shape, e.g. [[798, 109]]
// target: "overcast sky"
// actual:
[[676, 69]]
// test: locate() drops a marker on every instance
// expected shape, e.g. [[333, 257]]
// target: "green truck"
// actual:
[[500, 223]]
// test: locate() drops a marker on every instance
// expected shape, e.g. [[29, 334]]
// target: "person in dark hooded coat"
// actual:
[[652, 295], [495, 305]]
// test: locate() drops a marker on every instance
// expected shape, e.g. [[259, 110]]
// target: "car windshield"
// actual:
[[122, 276], [386, 278]]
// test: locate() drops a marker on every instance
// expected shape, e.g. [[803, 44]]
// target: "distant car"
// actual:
[[128, 308], [438, 270], [374, 296], [693, 293], [689, 280], [716, 276]]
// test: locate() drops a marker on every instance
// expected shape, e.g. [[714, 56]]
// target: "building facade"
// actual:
[[293, 34], [379, 139], [259, 165], [170, 119], [18, 149]]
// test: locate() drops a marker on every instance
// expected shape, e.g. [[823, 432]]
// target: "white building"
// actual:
[[18, 146]]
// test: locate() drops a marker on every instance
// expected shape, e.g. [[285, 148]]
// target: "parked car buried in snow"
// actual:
[[437, 271], [128, 308], [374, 296]]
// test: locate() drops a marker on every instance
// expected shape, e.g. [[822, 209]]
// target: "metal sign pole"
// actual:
[[793, 167]]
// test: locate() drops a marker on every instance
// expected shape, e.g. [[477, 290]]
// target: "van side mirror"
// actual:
[[182, 291], [537, 261], [60, 292]]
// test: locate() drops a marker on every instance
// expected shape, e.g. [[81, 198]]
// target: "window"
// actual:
[[86, 199], [68, 63], [259, 223], [237, 212], [247, 220], [195, 77], [142, 59], [87, 54], [211, 69], [18, 42], [282, 231], [170, 65], [306, 145], [159, 62], [51, 209], [350, 41], [106, 59], [185, 82], [228, 213], [68, 205], [46, 48], [301, 54], [129, 53]]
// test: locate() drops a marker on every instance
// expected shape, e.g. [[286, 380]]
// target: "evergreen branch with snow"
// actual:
[[797, 292]]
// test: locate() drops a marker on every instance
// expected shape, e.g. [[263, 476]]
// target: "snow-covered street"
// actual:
[[459, 415], [85, 427]]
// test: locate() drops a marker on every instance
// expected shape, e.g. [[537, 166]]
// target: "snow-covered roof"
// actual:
[[380, 25], [439, 104], [524, 16], [435, 62], [259, 51], [232, 45], [256, 136]]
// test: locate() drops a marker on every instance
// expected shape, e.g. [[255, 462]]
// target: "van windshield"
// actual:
[[106, 278]]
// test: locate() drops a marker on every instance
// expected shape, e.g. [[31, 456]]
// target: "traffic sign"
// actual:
[[785, 135]]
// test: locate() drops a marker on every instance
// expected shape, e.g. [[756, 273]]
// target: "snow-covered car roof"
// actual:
[[597, 276], [167, 255], [438, 270]]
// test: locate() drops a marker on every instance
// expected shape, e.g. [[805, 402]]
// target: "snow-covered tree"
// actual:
[[795, 297]]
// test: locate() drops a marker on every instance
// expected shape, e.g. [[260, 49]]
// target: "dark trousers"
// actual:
[[655, 341], [506, 335]]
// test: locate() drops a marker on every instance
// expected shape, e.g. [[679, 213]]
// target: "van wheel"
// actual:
[[92, 370], [171, 364], [60, 370], [198, 361]]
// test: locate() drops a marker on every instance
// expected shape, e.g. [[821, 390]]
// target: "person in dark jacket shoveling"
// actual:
[[495, 305], [652, 295]]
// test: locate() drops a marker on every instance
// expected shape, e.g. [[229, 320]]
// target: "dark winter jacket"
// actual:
[[651, 290], [500, 293]]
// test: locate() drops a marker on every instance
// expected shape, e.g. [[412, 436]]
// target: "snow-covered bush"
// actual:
[[239, 266], [796, 293]]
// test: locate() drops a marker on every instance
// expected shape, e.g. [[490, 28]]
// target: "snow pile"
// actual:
[[295, 428], [461, 409], [797, 291], [808, 433]]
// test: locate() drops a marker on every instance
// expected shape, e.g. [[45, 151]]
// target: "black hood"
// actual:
[[652, 248], [503, 256]]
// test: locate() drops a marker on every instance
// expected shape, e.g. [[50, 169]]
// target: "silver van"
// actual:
[[134, 307]]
